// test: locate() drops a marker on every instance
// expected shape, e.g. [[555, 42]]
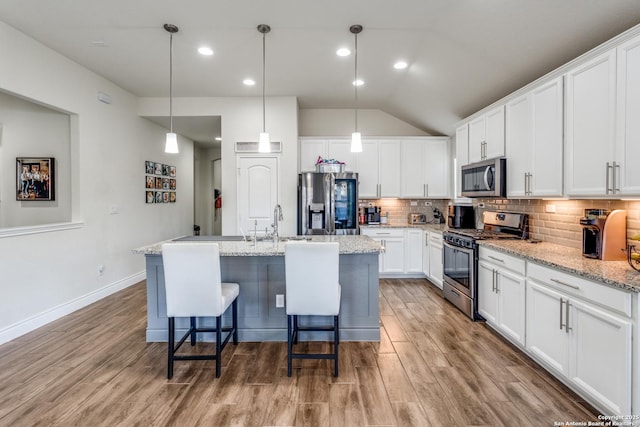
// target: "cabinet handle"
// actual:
[[495, 259], [566, 317], [609, 167], [561, 303], [493, 280], [426, 190], [496, 272], [378, 190], [526, 177], [614, 176], [559, 282]]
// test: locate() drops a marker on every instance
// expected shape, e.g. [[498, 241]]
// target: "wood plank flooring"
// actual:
[[432, 367]]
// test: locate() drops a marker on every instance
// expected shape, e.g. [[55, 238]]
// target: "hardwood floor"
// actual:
[[432, 367]]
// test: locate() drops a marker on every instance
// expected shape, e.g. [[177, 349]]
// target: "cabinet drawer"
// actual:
[[597, 293], [435, 237], [383, 232], [509, 262]]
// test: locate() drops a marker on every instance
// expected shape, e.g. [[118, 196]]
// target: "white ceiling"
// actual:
[[462, 54]]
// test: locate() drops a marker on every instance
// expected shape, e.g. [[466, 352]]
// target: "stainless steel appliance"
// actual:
[[461, 216], [327, 203], [485, 179], [604, 235], [417, 218], [460, 256], [371, 215]]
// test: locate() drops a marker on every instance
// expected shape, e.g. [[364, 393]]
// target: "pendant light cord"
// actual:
[[263, 81], [355, 81], [171, 83]]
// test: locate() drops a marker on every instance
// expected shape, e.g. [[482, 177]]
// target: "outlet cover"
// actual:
[[550, 208], [414, 203], [280, 301], [428, 203]]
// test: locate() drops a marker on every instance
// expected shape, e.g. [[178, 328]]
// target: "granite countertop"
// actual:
[[613, 273], [348, 245], [431, 227]]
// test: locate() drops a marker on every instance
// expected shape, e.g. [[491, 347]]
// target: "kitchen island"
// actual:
[[259, 269]]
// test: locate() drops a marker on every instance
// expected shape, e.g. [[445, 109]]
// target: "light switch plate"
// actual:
[[280, 301], [550, 208]]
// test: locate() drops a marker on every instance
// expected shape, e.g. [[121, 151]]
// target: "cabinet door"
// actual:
[[462, 155], [310, 149], [435, 261], [495, 133], [436, 168], [510, 292], [340, 149], [547, 134], [413, 251], [487, 300], [425, 253], [413, 168], [518, 145], [394, 255], [590, 126], [601, 356], [477, 137], [547, 339], [389, 172], [368, 170], [628, 125]]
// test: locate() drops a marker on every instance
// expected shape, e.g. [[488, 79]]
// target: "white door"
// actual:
[[510, 290], [257, 193], [590, 126], [601, 356], [547, 338], [628, 126], [487, 300]]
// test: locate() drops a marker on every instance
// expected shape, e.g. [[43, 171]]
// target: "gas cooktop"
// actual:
[[482, 234]]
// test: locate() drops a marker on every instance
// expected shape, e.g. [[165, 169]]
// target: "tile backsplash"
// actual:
[[561, 227]]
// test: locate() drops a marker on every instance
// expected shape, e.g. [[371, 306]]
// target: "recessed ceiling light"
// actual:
[[343, 51], [400, 65], [249, 82], [218, 138], [99, 43], [204, 50], [357, 82]]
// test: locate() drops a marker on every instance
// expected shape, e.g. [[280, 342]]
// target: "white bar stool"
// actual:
[[194, 289], [312, 289]]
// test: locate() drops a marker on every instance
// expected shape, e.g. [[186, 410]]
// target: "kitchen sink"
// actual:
[[209, 239]]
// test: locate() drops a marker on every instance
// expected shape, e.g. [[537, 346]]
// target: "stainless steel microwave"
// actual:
[[485, 179]]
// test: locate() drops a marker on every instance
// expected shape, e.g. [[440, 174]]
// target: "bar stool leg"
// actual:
[[289, 344], [336, 341], [234, 310], [193, 330], [170, 339], [218, 344]]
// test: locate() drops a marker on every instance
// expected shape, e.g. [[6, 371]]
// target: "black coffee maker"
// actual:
[[604, 234], [371, 215]]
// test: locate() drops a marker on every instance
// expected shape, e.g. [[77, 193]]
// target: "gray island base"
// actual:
[[259, 269]]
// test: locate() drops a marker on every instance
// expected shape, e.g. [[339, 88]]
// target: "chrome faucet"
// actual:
[[277, 216]]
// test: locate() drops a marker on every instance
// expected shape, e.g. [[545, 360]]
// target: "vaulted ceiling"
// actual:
[[462, 54]]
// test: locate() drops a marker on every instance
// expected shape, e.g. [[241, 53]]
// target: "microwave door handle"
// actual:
[[486, 178]]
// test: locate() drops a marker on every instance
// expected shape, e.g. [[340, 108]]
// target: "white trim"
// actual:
[[35, 229], [18, 329]]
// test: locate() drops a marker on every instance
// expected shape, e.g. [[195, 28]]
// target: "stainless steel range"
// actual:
[[460, 256]]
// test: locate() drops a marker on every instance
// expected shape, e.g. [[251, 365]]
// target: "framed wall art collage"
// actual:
[[160, 183]]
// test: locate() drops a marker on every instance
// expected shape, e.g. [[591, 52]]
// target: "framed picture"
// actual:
[[159, 182], [35, 179], [149, 167]]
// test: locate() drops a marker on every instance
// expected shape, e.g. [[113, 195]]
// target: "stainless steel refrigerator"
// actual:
[[327, 203]]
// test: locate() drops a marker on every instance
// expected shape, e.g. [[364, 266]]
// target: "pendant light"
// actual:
[[356, 137], [264, 144], [171, 145]]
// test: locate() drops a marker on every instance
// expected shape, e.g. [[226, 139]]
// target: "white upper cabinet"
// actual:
[[310, 149], [368, 170], [389, 168], [340, 149], [590, 127], [627, 174], [462, 155], [425, 168], [486, 135], [533, 143]]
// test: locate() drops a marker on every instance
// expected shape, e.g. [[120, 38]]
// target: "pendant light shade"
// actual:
[[356, 137], [264, 143], [171, 144]]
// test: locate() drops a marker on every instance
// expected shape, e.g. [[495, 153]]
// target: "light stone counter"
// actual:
[[348, 245], [430, 227], [613, 273]]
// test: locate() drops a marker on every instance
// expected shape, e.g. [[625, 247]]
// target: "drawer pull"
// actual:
[[559, 282], [495, 259]]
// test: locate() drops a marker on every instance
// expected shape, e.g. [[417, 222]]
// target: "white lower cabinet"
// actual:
[[435, 258], [413, 250], [501, 293], [575, 327], [392, 240], [425, 253]]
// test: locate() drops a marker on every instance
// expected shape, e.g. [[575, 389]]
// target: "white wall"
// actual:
[[31, 130], [46, 275], [242, 121], [335, 122]]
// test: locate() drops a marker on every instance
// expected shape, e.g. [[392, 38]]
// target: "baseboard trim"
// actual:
[[36, 321]]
